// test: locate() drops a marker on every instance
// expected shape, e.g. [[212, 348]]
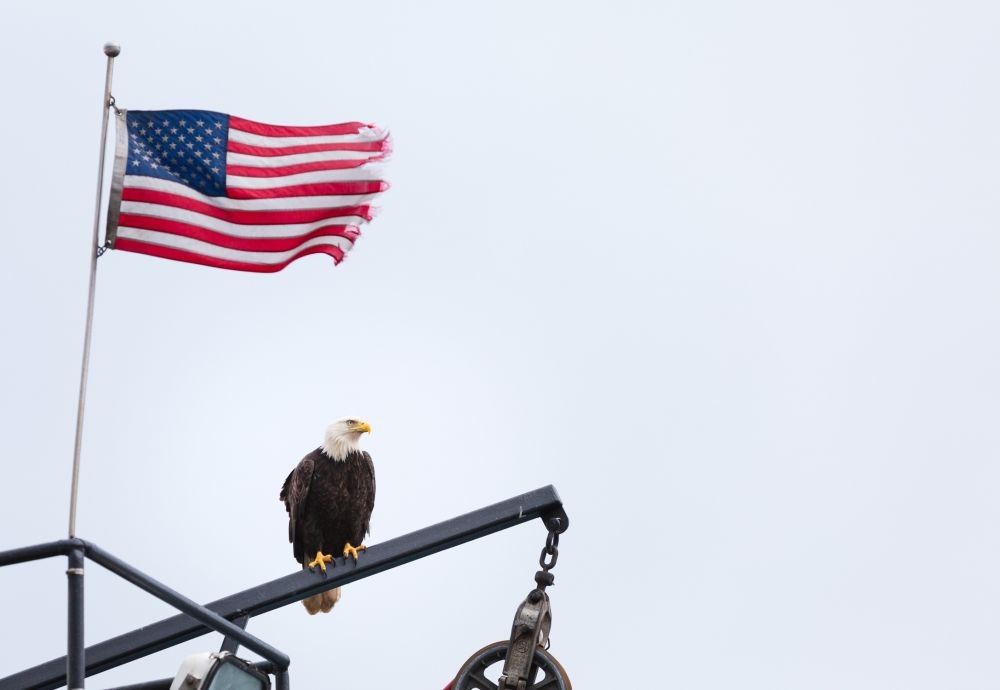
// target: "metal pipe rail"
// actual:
[[74, 663], [543, 503]]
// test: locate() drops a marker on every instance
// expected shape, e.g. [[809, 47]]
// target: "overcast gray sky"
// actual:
[[724, 273]]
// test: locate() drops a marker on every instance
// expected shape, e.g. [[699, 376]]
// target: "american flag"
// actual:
[[218, 190]]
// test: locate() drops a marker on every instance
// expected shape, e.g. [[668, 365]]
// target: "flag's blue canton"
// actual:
[[186, 146]]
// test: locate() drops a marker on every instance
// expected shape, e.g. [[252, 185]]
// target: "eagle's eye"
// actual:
[[352, 422]]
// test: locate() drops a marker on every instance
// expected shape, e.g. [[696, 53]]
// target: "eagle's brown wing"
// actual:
[[368, 502], [294, 493]]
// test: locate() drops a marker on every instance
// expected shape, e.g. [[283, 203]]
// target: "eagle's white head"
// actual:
[[342, 437]]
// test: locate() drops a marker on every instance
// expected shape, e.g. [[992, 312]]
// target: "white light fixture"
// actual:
[[218, 671]]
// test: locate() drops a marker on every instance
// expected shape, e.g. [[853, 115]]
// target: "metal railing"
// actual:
[[196, 619]]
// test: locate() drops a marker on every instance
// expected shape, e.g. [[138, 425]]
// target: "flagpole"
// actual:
[[111, 50]]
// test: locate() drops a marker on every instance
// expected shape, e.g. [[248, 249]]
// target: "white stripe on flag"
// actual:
[[183, 215], [365, 136], [363, 173], [166, 239], [296, 158]]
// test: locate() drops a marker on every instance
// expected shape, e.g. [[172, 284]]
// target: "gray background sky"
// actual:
[[724, 273]]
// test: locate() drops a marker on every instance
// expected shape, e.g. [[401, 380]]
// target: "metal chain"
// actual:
[[551, 549], [547, 559]]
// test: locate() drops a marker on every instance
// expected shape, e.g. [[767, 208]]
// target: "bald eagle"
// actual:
[[329, 497]]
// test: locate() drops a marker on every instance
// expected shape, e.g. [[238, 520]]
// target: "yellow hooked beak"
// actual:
[[362, 427]]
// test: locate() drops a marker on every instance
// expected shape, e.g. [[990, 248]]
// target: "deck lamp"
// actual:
[[218, 671]]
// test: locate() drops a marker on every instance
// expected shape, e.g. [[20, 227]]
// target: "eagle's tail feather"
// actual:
[[313, 604], [324, 601]]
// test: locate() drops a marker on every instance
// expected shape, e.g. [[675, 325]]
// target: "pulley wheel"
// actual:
[[487, 664]]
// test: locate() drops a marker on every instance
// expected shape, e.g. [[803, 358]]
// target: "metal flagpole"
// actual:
[[111, 50]]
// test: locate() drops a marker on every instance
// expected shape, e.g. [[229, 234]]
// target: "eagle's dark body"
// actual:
[[329, 502]]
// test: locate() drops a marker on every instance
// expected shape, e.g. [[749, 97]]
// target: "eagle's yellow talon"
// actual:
[[352, 550], [321, 560]]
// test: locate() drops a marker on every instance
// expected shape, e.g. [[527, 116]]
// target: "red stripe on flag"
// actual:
[[263, 217], [377, 147], [249, 244], [317, 189], [251, 171], [128, 245], [283, 131]]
